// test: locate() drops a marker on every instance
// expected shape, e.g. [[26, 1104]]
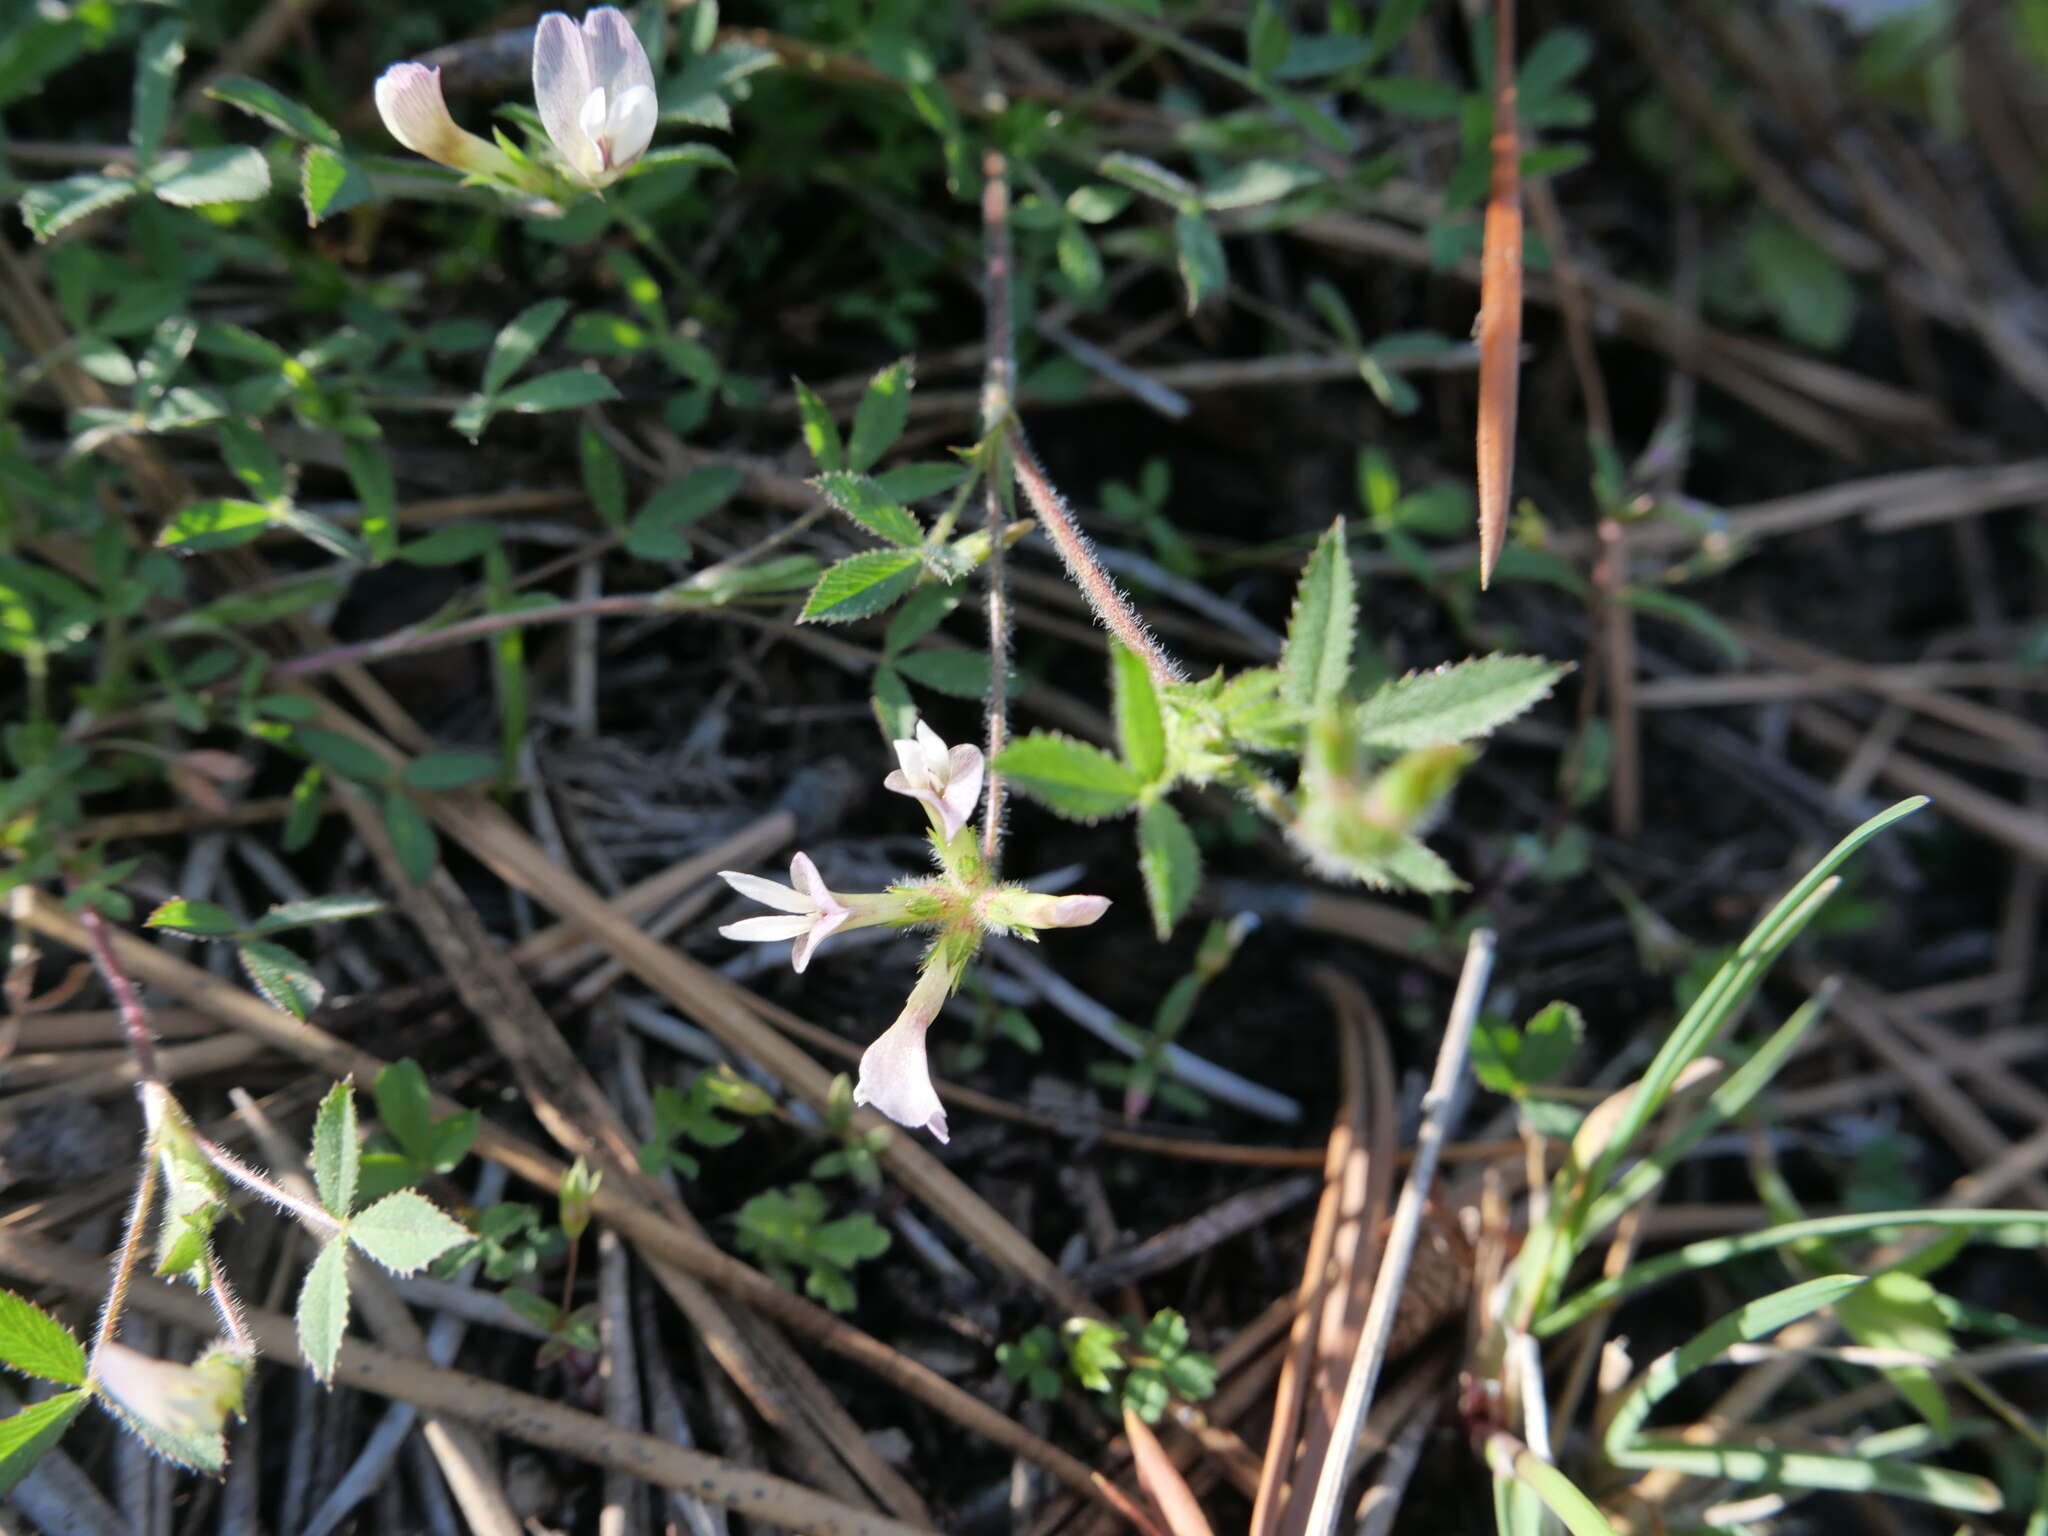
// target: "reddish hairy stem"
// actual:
[[1102, 592], [998, 381]]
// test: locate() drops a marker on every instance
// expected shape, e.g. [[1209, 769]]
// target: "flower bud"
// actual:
[[1013, 907]]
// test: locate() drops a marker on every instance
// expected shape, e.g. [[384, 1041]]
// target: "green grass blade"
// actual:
[[1711, 1252]]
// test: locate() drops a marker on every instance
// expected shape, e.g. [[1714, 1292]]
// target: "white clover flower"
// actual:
[[946, 779], [410, 102], [894, 1074], [814, 912], [594, 89]]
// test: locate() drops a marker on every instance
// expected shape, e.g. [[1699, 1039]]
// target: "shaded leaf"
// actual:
[[234, 174], [861, 499], [275, 108], [315, 909], [879, 419], [449, 770], [861, 585], [55, 206], [1071, 777], [1170, 863], [565, 389], [282, 977], [412, 837], [348, 757]]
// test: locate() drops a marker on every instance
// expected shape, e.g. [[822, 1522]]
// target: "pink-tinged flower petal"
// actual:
[[410, 102], [817, 932], [767, 892], [766, 930], [1077, 911], [896, 1079], [804, 876], [617, 61], [562, 83], [948, 780], [963, 788]]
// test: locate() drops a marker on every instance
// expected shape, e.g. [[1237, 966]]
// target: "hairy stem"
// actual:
[[131, 1247], [1096, 584], [998, 383], [127, 1002], [261, 1184]]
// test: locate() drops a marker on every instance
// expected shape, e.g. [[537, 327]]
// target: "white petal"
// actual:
[[766, 930], [591, 118], [963, 789], [934, 748], [617, 61], [819, 930], [410, 102], [562, 83], [631, 124], [895, 1078], [767, 892], [912, 761], [899, 782], [804, 876]]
